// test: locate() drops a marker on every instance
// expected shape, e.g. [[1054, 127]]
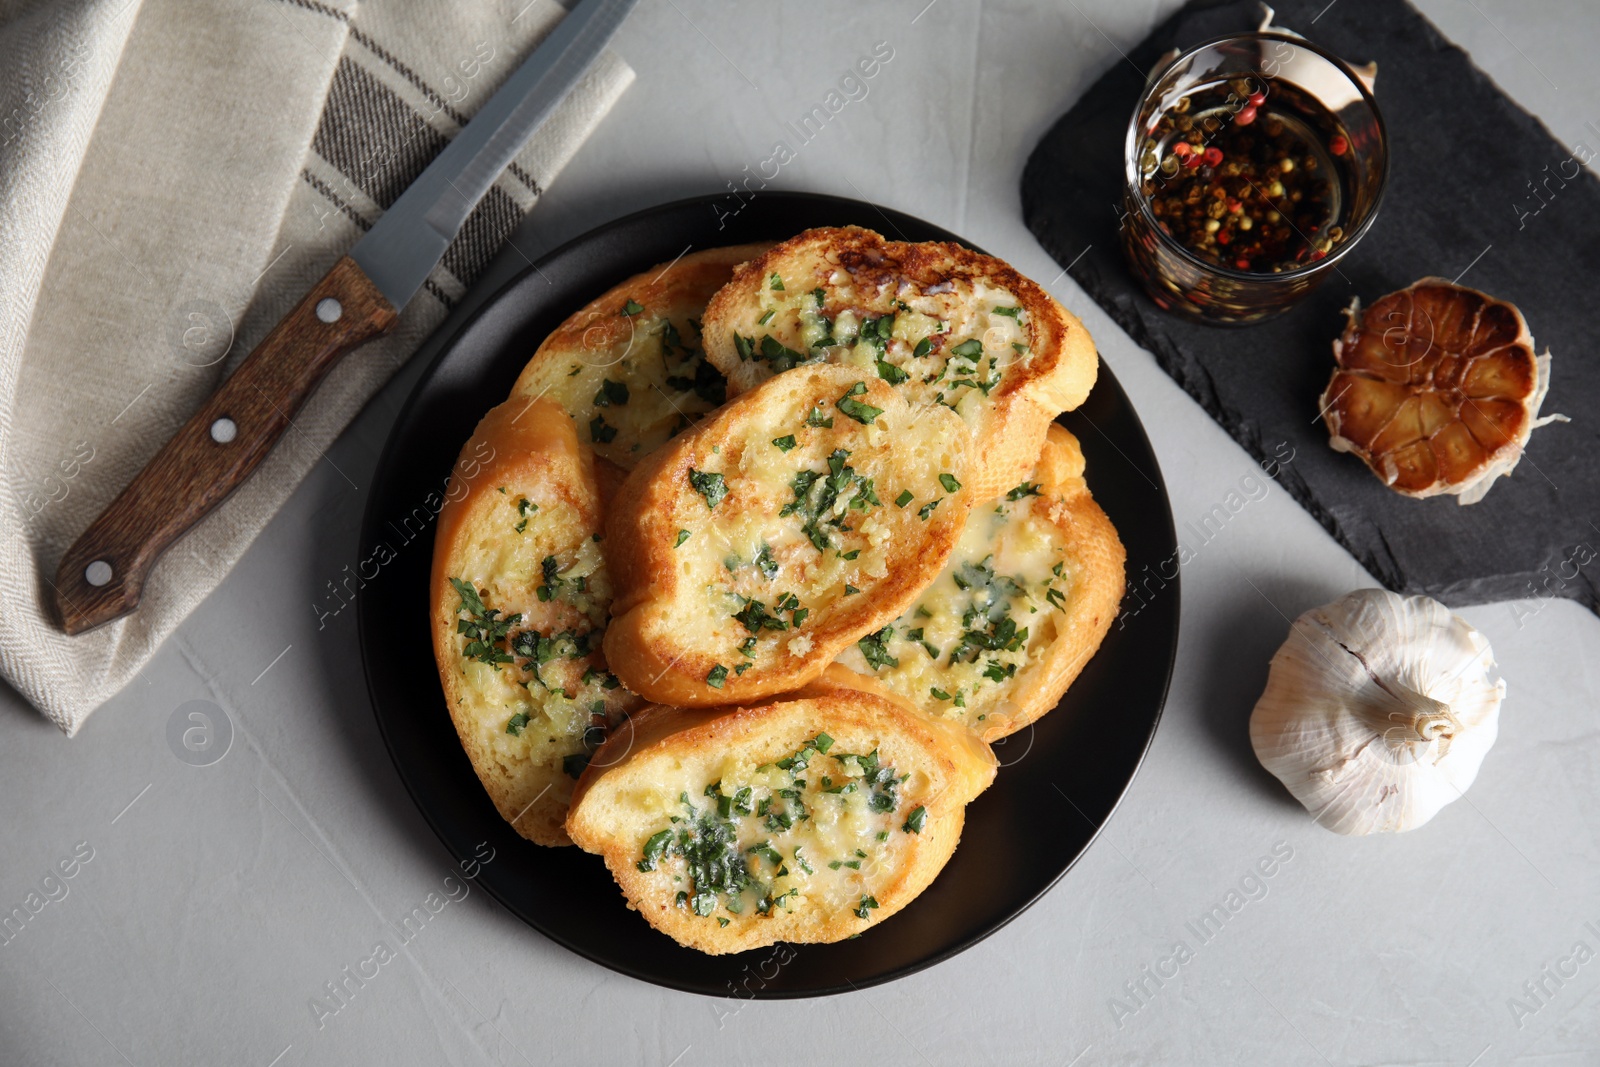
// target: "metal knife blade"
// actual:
[[406, 244]]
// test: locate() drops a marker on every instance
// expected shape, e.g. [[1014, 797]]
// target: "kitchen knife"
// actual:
[[102, 575]]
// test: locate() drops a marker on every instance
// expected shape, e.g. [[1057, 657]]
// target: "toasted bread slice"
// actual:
[[750, 550], [519, 599], [628, 366], [948, 325], [807, 819], [1024, 602]]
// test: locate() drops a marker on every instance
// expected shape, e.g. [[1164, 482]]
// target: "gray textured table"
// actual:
[[211, 907]]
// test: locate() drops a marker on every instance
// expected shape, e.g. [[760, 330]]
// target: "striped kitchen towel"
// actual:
[[174, 175]]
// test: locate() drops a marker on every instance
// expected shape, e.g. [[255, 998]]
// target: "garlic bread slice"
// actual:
[[806, 819], [1022, 605], [750, 550], [519, 600], [628, 366], [937, 321]]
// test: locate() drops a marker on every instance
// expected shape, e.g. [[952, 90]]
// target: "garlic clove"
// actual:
[[1378, 711]]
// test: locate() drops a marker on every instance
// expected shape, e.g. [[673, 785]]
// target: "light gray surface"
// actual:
[[217, 905]]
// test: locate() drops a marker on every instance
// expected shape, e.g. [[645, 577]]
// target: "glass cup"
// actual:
[[1235, 103]]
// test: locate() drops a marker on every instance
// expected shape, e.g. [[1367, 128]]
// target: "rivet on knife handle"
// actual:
[[103, 573]]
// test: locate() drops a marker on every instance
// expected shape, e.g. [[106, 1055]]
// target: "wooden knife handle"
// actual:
[[103, 573]]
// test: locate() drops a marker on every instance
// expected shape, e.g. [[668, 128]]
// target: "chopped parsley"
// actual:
[[964, 360], [890, 373], [717, 676], [949, 482], [607, 680], [611, 393], [515, 724], [927, 509], [632, 307], [764, 850], [818, 295], [710, 485], [780, 355], [924, 346], [708, 384], [861, 412], [654, 850], [683, 535], [866, 905], [904, 498], [874, 648], [816, 419], [550, 567], [1012, 313], [776, 283], [1024, 490], [876, 333], [538, 650], [996, 634], [784, 443], [997, 672], [754, 617], [818, 507], [483, 628], [763, 320], [600, 431], [916, 820]]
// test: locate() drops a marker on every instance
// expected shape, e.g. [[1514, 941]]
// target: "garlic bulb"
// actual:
[[1378, 711]]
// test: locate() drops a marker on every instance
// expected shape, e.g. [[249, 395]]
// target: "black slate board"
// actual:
[[1465, 161]]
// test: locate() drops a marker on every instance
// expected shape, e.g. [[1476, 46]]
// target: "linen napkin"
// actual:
[[174, 175]]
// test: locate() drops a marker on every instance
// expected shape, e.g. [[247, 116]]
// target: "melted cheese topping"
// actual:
[[825, 831], [630, 397], [951, 343], [527, 709], [967, 644], [808, 521]]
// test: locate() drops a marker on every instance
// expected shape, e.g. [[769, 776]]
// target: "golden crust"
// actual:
[[683, 567], [613, 810], [1067, 614], [657, 386], [518, 452], [861, 274], [1097, 561]]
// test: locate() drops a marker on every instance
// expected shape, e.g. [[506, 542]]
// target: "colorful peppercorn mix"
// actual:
[[1247, 174]]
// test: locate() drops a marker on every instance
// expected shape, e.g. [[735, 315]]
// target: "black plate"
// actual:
[[1061, 779]]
